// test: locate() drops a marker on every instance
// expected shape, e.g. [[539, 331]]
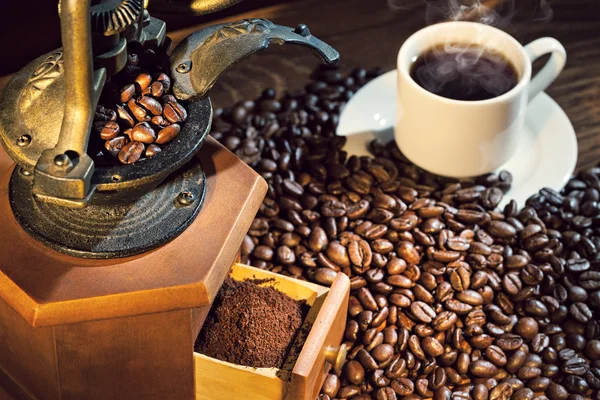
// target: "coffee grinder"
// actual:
[[107, 272]]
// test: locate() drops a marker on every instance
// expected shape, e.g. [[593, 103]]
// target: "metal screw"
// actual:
[[183, 67], [24, 172], [186, 198], [302, 30], [23, 140], [61, 160]]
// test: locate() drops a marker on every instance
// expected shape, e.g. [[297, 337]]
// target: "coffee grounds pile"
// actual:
[[250, 325]]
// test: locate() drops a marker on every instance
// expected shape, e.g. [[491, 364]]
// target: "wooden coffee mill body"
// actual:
[[98, 323]]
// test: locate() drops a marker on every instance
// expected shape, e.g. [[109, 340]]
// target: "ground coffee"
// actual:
[[250, 325]]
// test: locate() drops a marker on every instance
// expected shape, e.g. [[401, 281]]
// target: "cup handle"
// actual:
[[553, 67]]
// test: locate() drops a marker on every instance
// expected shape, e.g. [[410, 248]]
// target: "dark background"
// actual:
[[30, 28]]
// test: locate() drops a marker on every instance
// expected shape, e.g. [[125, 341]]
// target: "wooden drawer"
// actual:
[[317, 349]]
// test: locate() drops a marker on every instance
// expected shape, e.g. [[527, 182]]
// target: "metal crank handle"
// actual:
[[202, 57]]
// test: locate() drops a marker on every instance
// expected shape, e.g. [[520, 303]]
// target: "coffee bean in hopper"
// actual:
[[131, 152], [452, 298], [145, 112]]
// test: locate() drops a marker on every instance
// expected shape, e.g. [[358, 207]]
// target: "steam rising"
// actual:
[[464, 73], [498, 13], [466, 70]]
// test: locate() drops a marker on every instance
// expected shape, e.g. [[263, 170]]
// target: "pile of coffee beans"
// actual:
[[142, 115], [452, 298]]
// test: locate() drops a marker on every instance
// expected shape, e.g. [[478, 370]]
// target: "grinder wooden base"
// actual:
[[72, 328]]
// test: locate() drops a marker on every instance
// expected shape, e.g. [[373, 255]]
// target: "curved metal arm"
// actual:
[[65, 171], [202, 57]]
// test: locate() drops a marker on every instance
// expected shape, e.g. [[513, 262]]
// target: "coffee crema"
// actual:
[[464, 72]]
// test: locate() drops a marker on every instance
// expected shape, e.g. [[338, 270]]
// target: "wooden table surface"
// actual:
[[369, 33]]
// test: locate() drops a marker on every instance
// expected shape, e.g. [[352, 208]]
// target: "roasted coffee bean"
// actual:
[[480, 341], [385, 393], [415, 347], [592, 350], [143, 132], [480, 392], [131, 152], [557, 392], [502, 391], [581, 312], [402, 386], [115, 145], [470, 297], [590, 280], [166, 83], [437, 378], [156, 89], [127, 93], [360, 254], [460, 279], [496, 355], [125, 116], [348, 391], [432, 346], [523, 394], [317, 239], [443, 393], [152, 150], [501, 229], [174, 112], [527, 327], [150, 104], [331, 385], [325, 276], [107, 129], [458, 307], [483, 369], [354, 372], [142, 81], [444, 321], [407, 251], [104, 114], [526, 373], [540, 384], [536, 308], [138, 111], [337, 254], [422, 311], [382, 352], [575, 366], [592, 377], [366, 360], [576, 384], [575, 341], [422, 388], [285, 255]]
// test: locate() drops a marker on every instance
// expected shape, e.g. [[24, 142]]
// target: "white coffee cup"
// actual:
[[468, 138]]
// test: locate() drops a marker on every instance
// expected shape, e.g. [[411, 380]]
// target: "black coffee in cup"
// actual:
[[464, 72]]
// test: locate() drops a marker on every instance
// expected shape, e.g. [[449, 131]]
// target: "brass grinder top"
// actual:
[[58, 193]]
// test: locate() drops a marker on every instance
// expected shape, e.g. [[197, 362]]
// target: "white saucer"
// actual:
[[545, 158]]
